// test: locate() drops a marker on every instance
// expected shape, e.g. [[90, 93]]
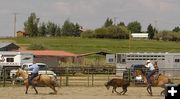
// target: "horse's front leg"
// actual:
[[149, 89], [27, 87]]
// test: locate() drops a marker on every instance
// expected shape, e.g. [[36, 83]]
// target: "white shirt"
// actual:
[[150, 66]]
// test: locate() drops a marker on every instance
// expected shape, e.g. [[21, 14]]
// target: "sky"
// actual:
[[90, 14]]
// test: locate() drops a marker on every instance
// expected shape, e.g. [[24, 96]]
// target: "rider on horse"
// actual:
[[152, 70], [34, 73]]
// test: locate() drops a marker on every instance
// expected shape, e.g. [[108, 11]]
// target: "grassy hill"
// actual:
[[84, 45]]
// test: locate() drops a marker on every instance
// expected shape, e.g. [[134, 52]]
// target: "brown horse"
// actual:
[[117, 83], [160, 81], [39, 80]]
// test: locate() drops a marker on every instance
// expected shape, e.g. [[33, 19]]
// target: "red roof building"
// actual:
[[52, 57], [50, 53]]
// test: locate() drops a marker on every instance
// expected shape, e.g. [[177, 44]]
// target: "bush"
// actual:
[[87, 34], [168, 36], [36, 47], [112, 32]]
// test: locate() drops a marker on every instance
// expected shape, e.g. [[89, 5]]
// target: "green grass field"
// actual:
[[84, 45]]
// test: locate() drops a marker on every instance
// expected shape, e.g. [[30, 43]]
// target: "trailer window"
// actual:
[[10, 59], [177, 60]]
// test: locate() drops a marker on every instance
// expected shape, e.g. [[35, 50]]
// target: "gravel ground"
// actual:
[[78, 92]]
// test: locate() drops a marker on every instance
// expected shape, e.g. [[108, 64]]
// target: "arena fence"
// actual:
[[93, 76]]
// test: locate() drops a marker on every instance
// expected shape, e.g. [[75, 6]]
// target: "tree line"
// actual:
[[34, 28], [109, 29]]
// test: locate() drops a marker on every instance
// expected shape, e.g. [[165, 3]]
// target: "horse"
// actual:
[[158, 80], [39, 80], [117, 83]]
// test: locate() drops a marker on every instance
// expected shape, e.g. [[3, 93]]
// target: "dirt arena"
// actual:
[[78, 92]]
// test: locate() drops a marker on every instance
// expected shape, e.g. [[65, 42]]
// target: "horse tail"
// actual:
[[54, 82]]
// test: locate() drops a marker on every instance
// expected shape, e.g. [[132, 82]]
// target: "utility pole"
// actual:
[[155, 22], [15, 24]]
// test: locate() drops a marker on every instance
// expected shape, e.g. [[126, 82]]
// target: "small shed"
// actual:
[[21, 34], [8, 47]]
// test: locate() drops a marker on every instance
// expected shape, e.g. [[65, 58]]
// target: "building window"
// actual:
[[123, 60], [177, 60], [111, 60], [10, 59]]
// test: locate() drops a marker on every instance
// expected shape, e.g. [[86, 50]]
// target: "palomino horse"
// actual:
[[159, 81], [39, 80]]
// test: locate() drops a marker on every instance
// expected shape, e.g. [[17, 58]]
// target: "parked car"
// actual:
[[43, 69]]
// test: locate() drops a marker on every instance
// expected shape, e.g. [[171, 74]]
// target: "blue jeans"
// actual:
[[33, 75], [150, 73]]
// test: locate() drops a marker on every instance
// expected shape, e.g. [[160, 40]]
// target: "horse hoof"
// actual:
[[52, 93], [119, 93]]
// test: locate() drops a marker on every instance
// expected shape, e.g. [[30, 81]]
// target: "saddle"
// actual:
[[37, 78], [155, 77]]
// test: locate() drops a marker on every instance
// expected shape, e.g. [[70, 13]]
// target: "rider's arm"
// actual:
[[147, 65], [30, 67]]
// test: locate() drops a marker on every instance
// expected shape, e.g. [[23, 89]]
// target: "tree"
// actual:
[[134, 27], [150, 31], [77, 30], [176, 29], [42, 30], [108, 22], [58, 31], [31, 25], [69, 29], [51, 28], [121, 24]]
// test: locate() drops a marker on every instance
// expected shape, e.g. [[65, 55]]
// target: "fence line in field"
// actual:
[[99, 78], [92, 76]]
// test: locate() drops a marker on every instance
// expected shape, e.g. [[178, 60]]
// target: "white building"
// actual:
[[139, 35]]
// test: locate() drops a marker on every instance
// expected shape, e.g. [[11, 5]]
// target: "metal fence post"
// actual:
[[4, 77], [164, 72], [92, 76], [108, 74], [60, 81], [67, 77], [88, 77]]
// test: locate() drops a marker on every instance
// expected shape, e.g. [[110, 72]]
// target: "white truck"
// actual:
[[43, 69], [12, 60]]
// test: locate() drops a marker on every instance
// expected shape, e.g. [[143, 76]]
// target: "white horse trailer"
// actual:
[[164, 60], [11, 60]]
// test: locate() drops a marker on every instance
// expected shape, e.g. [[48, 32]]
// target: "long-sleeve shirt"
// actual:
[[150, 66], [34, 67]]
